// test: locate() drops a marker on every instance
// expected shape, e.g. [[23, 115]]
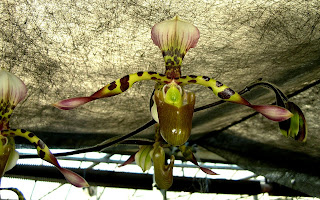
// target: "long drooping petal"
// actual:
[[271, 112], [12, 91], [114, 88], [189, 156], [45, 154]]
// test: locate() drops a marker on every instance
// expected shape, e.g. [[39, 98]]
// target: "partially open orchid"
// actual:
[[296, 126], [172, 107], [12, 91]]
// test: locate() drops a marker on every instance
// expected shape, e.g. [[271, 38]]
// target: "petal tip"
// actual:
[[74, 178], [272, 112], [72, 103]]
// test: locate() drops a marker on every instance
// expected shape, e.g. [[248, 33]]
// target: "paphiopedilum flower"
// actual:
[[173, 107], [12, 91]]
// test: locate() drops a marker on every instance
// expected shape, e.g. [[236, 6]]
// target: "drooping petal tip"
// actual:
[[74, 178], [72, 103], [130, 160], [272, 112]]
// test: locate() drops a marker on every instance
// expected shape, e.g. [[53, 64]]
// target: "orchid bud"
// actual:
[[162, 172], [143, 157]]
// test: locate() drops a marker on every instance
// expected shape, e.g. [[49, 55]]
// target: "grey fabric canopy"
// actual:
[[64, 49]]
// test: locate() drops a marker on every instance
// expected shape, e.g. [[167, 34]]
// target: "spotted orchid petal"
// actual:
[[45, 154], [12, 91], [114, 88]]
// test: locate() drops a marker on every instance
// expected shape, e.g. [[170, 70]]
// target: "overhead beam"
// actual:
[[145, 181]]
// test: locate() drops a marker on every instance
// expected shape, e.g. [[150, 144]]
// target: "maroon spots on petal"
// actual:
[[140, 73], [206, 78], [226, 93], [154, 78], [42, 154], [30, 135], [192, 81], [124, 81], [41, 144], [4, 141], [112, 85], [193, 76], [162, 75], [210, 88], [218, 84], [151, 73], [23, 131], [183, 77], [12, 134]]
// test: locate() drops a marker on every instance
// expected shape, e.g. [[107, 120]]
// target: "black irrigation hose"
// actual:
[[104, 145]]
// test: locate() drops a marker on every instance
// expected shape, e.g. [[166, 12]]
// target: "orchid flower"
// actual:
[[172, 107], [12, 91], [294, 127]]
